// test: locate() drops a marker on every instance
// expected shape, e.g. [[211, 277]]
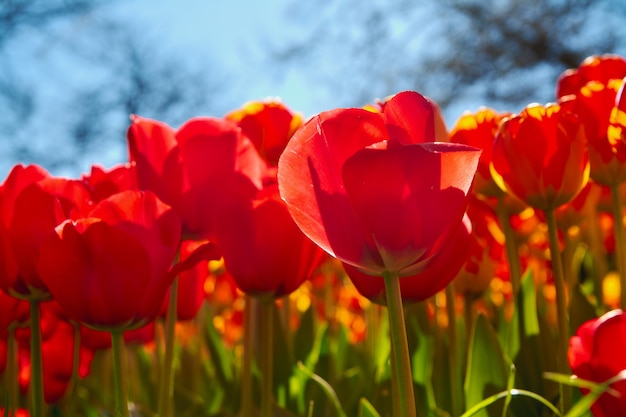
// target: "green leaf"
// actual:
[[305, 335], [282, 356], [423, 364], [221, 358], [534, 347], [366, 409], [297, 381], [326, 388], [486, 367], [482, 406], [528, 302]]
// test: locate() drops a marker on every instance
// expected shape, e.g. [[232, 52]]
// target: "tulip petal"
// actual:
[[310, 182], [410, 199], [410, 118], [440, 271], [153, 150]]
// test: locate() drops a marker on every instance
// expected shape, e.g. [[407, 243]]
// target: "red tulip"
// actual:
[[205, 164], [600, 68], [110, 270], [263, 249], [399, 110], [32, 205], [596, 354], [104, 183], [480, 129], [443, 268], [269, 125], [360, 185], [540, 156]]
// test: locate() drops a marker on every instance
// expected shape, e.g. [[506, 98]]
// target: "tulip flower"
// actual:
[[373, 190], [362, 187], [109, 270], [397, 110], [596, 354], [264, 251], [32, 203], [598, 107], [540, 156], [598, 68], [269, 124], [479, 129], [205, 164]]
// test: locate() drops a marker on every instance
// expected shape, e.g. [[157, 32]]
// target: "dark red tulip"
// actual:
[[596, 354], [264, 251], [33, 204], [110, 270], [360, 186]]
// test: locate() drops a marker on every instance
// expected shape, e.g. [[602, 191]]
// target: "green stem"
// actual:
[[598, 252], [166, 384], [246, 370], [399, 344], [396, 400], [510, 245], [468, 314], [455, 393], [121, 394], [75, 365], [267, 357], [11, 372], [561, 305], [620, 241], [36, 366]]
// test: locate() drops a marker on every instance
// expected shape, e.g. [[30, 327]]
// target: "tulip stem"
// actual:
[[246, 370], [455, 393], [598, 253], [267, 356], [620, 241], [399, 345], [121, 393], [11, 372], [166, 384], [510, 245], [36, 366], [75, 365], [561, 305]]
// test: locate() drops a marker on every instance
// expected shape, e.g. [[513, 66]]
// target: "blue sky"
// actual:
[[234, 34], [228, 36]]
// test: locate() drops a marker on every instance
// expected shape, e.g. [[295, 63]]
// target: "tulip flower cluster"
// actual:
[[366, 261]]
